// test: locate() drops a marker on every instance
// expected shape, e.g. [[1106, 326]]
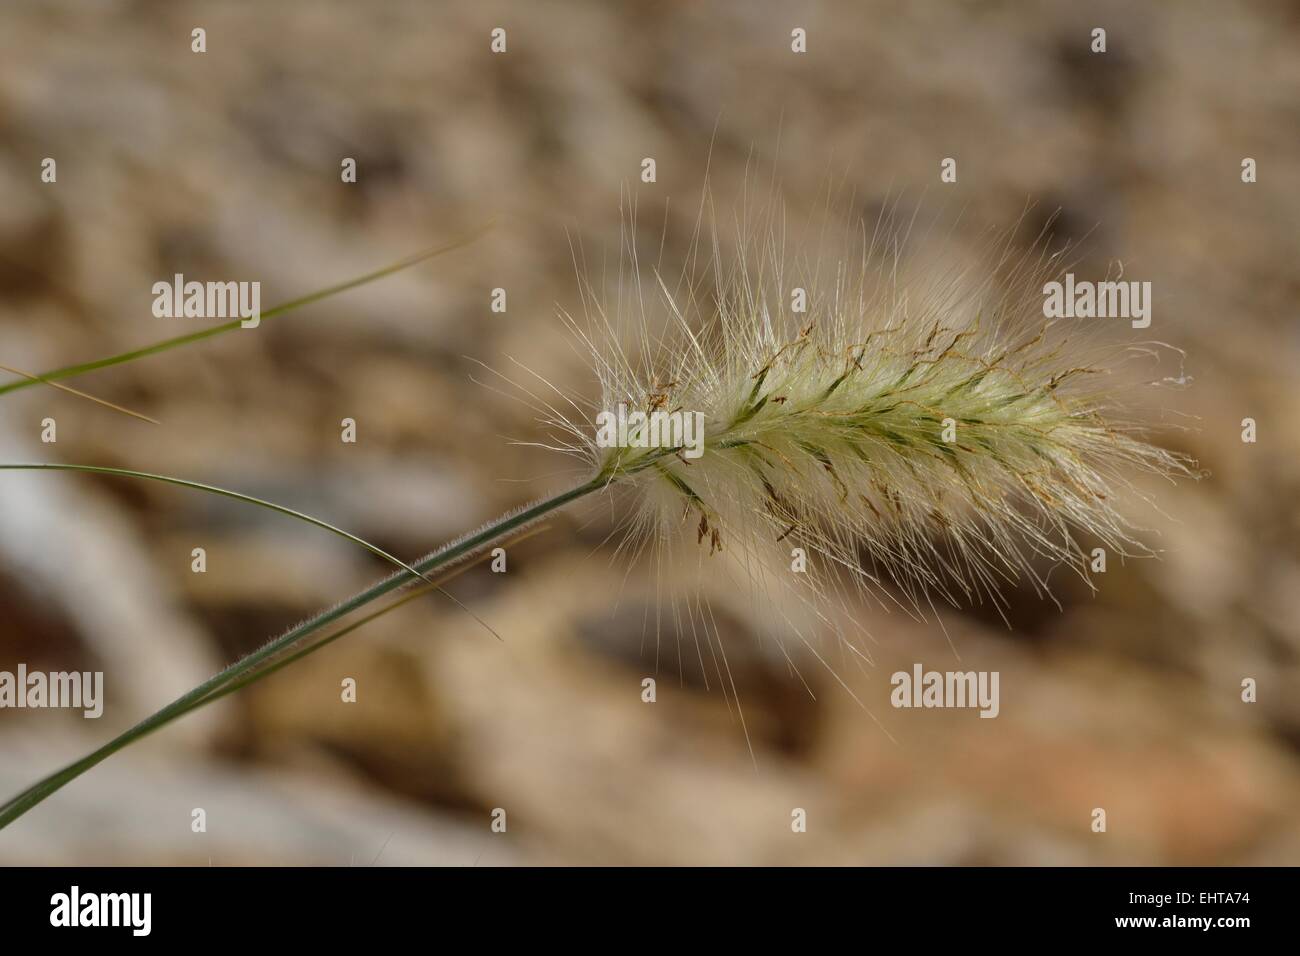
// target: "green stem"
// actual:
[[68, 371], [440, 559]]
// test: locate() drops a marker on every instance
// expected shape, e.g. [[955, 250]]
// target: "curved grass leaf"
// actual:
[[213, 489]]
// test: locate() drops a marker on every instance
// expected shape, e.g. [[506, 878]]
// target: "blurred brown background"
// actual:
[[225, 165]]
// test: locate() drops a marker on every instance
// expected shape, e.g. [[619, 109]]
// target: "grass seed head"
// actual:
[[918, 431]]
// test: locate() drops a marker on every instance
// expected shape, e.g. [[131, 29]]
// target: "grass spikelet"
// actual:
[[918, 433]]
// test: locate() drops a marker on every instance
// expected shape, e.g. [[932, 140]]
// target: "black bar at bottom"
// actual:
[[619, 907]]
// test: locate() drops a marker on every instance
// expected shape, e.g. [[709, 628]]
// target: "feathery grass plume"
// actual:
[[920, 432]]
